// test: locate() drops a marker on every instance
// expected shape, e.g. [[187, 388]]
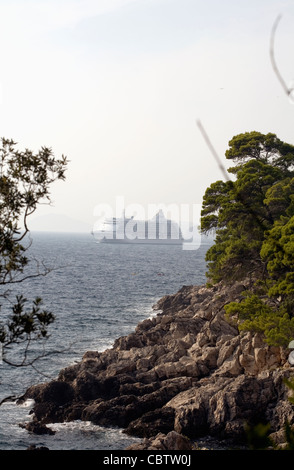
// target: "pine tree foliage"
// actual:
[[253, 218]]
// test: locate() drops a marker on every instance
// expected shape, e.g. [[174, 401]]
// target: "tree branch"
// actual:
[[285, 87], [212, 149], [31, 363]]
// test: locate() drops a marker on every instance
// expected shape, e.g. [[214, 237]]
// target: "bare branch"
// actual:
[[212, 149], [42, 270], [31, 362], [285, 87]]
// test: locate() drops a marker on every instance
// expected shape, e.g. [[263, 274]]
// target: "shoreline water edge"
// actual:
[[184, 376]]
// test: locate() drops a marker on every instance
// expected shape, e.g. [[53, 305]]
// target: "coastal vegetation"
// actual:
[[252, 215], [25, 182]]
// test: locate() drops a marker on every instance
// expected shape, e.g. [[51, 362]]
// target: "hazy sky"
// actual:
[[117, 86]]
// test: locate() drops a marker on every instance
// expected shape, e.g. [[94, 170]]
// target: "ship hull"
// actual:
[[138, 241]]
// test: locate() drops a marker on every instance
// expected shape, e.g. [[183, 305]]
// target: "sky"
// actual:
[[118, 87]]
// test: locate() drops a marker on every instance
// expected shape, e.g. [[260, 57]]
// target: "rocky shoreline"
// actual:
[[185, 374]]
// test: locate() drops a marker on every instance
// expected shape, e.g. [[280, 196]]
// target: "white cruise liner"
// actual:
[[158, 230]]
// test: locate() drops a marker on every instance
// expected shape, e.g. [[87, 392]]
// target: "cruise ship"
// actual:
[[158, 230]]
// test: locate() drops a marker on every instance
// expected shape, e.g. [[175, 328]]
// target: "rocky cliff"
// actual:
[[186, 371]]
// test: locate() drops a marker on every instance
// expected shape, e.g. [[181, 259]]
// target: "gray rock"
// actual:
[[187, 370]]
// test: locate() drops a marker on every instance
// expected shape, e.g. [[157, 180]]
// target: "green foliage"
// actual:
[[289, 434], [23, 327], [25, 181], [255, 315], [261, 147], [290, 385], [280, 198], [278, 251], [253, 217], [258, 437], [242, 211]]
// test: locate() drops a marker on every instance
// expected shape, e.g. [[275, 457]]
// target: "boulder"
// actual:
[[153, 422], [170, 441], [34, 447], [37, 428]]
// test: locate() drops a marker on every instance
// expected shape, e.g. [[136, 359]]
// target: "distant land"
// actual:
[[58, 223]]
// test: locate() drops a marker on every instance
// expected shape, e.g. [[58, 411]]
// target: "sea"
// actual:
[[98, 293]]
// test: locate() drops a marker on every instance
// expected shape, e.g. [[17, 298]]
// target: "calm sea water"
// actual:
[[98, 293]]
